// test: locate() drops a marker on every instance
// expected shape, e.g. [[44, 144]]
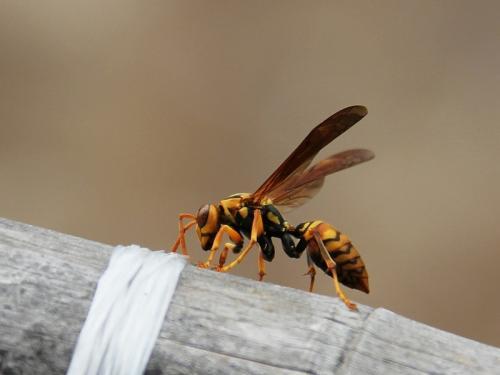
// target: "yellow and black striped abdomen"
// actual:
[[351, 269]]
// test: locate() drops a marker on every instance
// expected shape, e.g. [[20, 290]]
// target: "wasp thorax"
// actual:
[[208, 223]]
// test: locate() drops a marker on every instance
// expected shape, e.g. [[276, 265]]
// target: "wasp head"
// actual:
[[207, 225]]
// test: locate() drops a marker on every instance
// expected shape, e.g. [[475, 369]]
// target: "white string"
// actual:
[[127, 312]]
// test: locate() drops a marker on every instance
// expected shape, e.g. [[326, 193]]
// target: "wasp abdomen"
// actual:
[[350, 267]]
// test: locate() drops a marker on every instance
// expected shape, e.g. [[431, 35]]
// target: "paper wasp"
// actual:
[[257, 217]]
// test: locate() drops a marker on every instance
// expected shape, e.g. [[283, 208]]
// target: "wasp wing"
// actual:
[[302, 156], [298, 189]]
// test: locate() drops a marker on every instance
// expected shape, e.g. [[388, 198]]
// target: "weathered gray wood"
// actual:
[[216, 324]]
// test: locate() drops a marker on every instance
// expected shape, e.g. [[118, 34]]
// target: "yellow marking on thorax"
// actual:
[[243, 212], [272, 217], [239, 195], [266, 201], [230, 206]]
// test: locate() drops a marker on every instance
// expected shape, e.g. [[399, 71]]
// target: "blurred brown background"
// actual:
[[116, 117]]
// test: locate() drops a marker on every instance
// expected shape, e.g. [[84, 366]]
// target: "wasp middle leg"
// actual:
[[256, 232], [237, 249]]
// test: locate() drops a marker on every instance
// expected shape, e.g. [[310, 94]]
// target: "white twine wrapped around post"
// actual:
[[127, 312]]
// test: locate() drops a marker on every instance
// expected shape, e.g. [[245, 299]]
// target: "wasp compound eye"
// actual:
[[202, 216]]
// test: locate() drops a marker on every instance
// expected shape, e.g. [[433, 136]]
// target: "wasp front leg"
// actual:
[[257, 231], [233, 234], [181, 240]]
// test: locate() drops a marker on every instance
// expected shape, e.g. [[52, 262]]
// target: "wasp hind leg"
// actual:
[[332, 267], [181, 240], [311, 271]]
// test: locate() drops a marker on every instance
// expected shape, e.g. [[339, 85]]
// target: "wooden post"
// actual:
[[216, 324]]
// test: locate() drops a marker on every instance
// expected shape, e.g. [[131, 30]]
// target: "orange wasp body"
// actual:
[[257, 215]]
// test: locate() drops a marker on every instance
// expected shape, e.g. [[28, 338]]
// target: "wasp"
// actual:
[[257, 216]]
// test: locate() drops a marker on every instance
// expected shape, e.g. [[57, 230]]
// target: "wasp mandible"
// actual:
[[257, 217]]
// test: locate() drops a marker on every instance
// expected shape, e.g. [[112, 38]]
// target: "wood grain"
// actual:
[[216, 324]]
